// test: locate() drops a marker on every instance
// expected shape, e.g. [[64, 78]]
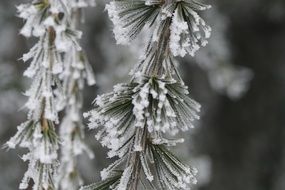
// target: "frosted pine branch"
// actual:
[[76, 71], [136, 120], [136, 116], [50, 22]]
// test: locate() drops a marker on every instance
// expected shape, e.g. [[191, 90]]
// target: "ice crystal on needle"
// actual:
[[188, 30], [56, 52], [127, 25]]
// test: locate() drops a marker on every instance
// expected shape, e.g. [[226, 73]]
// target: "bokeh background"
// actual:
[[239, 78]]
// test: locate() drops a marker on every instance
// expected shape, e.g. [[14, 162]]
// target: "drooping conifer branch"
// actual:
[[76, 71], [138, 119], [50, 22]]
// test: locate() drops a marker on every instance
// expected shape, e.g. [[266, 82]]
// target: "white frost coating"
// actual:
[[146, 168], [128, 20], [183, 40], [166, 12], [119, 31], [42, 158], [32, 17], [41, 89], [44, 150], [40, 173], [107, 172], [165, 115], [179, 28], [126, 177]]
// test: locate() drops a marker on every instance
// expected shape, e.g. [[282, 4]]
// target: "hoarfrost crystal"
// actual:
[[188, 33]]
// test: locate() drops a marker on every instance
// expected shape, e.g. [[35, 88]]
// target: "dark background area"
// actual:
[[239, 143]]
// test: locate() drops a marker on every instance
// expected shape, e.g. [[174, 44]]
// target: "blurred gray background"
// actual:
[[239, 78]]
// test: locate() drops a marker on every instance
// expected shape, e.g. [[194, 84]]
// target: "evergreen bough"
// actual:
[[58, 68], [137, 120]]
